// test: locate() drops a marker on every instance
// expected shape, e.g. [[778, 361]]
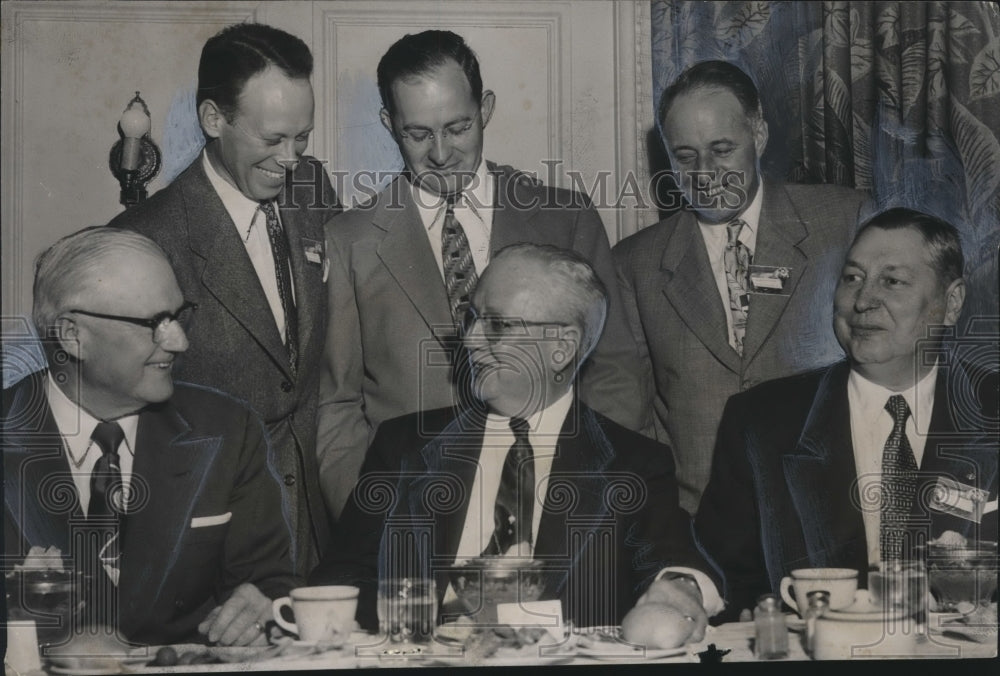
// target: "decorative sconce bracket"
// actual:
[[133, 182]]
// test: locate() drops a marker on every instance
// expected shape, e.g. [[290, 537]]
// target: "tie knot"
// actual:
[[898, 409], [109, 436], [733, 229], [520, 428]]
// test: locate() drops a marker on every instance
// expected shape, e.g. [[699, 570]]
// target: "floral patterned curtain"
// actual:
[[901, 99]]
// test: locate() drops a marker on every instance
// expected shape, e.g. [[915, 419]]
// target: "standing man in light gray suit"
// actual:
[[243, 228], [392, 329], [731, 290]]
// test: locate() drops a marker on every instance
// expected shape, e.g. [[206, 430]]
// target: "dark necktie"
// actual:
[[279, 247], [459, 268], [899, 482], [515, 503], [107, 495], [737, 263]]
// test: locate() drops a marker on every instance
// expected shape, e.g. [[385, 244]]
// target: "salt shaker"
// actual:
[[819, 601], [772, 633]]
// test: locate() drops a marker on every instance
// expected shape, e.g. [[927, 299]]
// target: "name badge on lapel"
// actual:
[[315, 255], [769, 279], [955, 498]]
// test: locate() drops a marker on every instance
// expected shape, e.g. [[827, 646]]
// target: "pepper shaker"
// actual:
[[819, 601]]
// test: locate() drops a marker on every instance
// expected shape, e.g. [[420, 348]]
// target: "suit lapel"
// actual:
[[512, 223], [306, 275], [229, 275], [779, 236], [172, 467], [690, 287], [407, 255], [968, 458], [821, 479]]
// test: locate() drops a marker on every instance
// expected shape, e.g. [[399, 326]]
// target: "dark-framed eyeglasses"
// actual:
[[500, 327], [158, 323]]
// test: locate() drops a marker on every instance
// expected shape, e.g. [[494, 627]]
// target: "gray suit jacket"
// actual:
[[235, 344], [679, 320], [388, 341]]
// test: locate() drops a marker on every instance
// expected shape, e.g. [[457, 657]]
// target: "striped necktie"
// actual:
[[460, 275], [515, 503]]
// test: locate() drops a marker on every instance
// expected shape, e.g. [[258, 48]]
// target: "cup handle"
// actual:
[[786, 592], [276, 606]]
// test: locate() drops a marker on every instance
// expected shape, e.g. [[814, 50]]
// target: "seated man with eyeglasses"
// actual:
[[161, 494], [527, 470]]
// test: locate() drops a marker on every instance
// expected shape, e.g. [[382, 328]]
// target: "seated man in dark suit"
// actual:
[[596, 499], [854, 464], [175, 481]]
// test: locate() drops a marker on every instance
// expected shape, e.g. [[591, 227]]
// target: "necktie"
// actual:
[[279, 247], [515, 503], [107, 496], [899, 482], [459, 268], [737, 263]]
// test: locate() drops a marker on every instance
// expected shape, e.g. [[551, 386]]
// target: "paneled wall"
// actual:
[[569, 76]]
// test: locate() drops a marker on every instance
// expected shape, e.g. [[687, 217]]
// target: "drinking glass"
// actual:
[[407, 610]]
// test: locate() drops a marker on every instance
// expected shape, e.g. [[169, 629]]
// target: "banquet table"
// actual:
[[727, 643]]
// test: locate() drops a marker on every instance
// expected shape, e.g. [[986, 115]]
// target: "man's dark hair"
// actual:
[[420, 53], [712, 74], [941, 238], [238, 52]]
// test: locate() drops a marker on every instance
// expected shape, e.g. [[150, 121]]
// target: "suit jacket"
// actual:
[[235, 344], [610, 521], [783, 492], [679, 321], [199, 454], [387, 348]]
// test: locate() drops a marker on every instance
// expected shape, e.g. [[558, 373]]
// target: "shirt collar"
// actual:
[[750, 216], [241, 209], [872, 398], [76, 425], [476, 197], [548, 421]]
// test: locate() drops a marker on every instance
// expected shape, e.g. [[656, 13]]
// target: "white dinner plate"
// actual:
[[620, 652]]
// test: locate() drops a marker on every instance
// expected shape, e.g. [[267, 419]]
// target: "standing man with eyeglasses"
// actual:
[[163, 492], [243, 228], [404, 265]]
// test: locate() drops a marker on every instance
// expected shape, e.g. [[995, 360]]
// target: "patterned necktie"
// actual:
[[515, 503], [899, 482], [737, 262], [107, 495], [459, 268], [279, 247]]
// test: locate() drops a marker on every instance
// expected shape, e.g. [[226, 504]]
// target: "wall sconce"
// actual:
[[134, 158]]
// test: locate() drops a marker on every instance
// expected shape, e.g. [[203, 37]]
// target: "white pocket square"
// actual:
[[215, 520]]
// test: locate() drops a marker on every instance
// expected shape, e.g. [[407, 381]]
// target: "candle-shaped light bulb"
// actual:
[[135, 124]]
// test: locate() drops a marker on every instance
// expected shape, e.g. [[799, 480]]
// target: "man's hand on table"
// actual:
[[668, 615], [240, 620]]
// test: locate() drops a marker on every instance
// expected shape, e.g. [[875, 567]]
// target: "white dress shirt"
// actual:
[[76, 425], [544, 428], [870, 427], [716, 238], [473, 210], [251, 224]]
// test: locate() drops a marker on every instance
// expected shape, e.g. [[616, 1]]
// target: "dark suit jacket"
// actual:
[[783, 492], [235, 344], [610, 521], [679, 320], [199, 454], [387, 350]]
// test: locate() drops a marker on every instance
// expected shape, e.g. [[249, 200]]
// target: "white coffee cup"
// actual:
[[841, 583], [321, 613], [844, 635]]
